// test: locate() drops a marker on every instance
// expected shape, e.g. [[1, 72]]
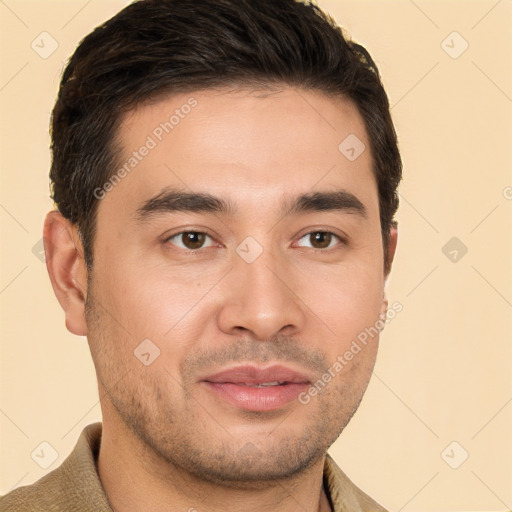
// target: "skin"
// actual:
[[169, 443]]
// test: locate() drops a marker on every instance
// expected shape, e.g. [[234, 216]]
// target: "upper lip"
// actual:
[[248, 374]]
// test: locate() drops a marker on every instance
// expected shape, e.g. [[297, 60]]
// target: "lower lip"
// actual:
[[251, 398]]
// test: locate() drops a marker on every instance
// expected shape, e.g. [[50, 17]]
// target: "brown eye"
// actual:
[[191, 240], [319, 239]]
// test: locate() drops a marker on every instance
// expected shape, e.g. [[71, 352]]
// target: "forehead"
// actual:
[[255, 146]]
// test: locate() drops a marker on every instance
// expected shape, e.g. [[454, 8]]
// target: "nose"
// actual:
[[260, 300]]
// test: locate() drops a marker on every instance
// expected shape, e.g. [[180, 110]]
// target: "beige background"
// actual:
[[444, 370]]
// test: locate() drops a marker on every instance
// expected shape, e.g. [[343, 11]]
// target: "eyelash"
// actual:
[[341, 240]]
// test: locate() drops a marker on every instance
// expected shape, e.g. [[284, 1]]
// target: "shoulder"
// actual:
[[74, 485], [345, 495]]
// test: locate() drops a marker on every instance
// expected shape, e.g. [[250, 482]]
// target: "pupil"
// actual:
[[321, 239], [193, 240]]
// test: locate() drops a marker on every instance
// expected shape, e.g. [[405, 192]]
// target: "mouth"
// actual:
[[257, 389]]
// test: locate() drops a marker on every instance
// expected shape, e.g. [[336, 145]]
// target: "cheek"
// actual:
[[157, 304], [144, 301], [346, 299]]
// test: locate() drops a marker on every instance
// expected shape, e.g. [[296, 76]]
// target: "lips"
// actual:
[[257, 389]]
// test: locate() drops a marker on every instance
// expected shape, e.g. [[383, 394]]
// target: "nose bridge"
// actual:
[[259, 273], [259, 298]]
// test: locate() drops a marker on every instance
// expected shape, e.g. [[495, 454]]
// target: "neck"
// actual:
[[135, 478]]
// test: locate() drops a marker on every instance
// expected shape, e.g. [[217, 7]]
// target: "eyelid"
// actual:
[[343, 237], [343, 240], [167, 238]]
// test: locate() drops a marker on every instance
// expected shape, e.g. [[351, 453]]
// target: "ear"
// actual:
[[391, 249], [67, 270]]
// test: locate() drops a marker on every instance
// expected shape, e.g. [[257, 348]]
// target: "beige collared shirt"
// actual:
[[75, 485]]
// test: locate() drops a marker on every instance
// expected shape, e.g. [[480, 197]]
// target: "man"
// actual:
[[225, 173]]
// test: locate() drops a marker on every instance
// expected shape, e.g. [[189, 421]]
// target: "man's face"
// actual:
[[238, 291]]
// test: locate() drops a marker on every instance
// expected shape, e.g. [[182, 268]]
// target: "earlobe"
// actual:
[[383, 311], [391, 248], [67, 270]]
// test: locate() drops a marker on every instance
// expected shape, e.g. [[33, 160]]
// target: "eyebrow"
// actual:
[[339, 200], [172, 200]]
